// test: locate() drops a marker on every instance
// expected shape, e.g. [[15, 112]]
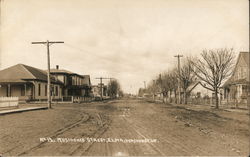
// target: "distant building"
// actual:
[[235, 88], [27, 83], [142, 92], [196, 90], [96, 90]]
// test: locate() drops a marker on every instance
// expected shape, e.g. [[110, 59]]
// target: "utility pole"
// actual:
[[161, 88], [48, 43], [101, 78], [248, 98], [145, 85], [179, 88], [154, 84]]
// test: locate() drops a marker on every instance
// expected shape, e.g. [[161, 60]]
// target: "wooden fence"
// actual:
[[76, 99], [206, 101], [8, 101]]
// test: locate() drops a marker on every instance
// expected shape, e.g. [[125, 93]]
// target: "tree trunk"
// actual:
[[216, 99], [170, 98], [185, 97], [175, 95], [165, 97]]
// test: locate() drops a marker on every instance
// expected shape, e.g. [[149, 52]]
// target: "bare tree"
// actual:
[[161, 82], [187, 77], [114, 88], [173, 83], [152, 88], [168, 83], [213, 68], [141, 92]]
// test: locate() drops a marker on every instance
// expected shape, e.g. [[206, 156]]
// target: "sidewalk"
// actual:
[[22, 108], [209, 107]]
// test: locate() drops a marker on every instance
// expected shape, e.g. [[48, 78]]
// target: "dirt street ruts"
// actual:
[[126, 127]]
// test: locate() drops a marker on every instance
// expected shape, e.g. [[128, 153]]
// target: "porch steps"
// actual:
[[3, 112]]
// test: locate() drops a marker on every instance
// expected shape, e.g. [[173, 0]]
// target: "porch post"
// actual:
[[25, 89], [9, 92]]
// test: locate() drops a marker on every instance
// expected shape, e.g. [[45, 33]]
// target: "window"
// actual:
[[244, 73], [8, 91], [56, 90], [64, 79], [22, 90], [45, 91], [39, 89], [73, 80], [52, 91], [241, 73]]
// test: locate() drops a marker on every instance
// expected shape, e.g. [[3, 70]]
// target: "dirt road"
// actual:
[[124, 128]]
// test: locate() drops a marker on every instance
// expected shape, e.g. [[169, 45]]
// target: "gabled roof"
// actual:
[[193, 85], [60, 71], [21, 72], [86, 78], [245, 56]]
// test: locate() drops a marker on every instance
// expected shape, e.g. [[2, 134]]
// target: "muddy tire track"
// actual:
[[103, 128], [84, 118]]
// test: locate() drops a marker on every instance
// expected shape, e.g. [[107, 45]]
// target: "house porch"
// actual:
[[23, 90]]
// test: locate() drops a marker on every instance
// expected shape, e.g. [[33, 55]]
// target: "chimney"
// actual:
[[57, 67]]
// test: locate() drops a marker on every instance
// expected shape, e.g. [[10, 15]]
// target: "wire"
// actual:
[[87, 52]]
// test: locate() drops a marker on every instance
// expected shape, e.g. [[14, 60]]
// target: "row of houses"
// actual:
[[234, 89], [30, 84]]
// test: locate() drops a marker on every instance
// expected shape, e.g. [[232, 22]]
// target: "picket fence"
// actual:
[[8, 101]]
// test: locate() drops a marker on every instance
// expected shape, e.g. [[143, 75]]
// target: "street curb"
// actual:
[[22, 110]]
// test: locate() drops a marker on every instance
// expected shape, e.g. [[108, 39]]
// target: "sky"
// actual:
[[130, 40]]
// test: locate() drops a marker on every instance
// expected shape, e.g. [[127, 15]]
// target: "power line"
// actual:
[[92, 53], [87, 52]]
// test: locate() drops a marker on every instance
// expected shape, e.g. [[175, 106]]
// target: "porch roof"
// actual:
[[78, 87], [230, 82], [11, 81]]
